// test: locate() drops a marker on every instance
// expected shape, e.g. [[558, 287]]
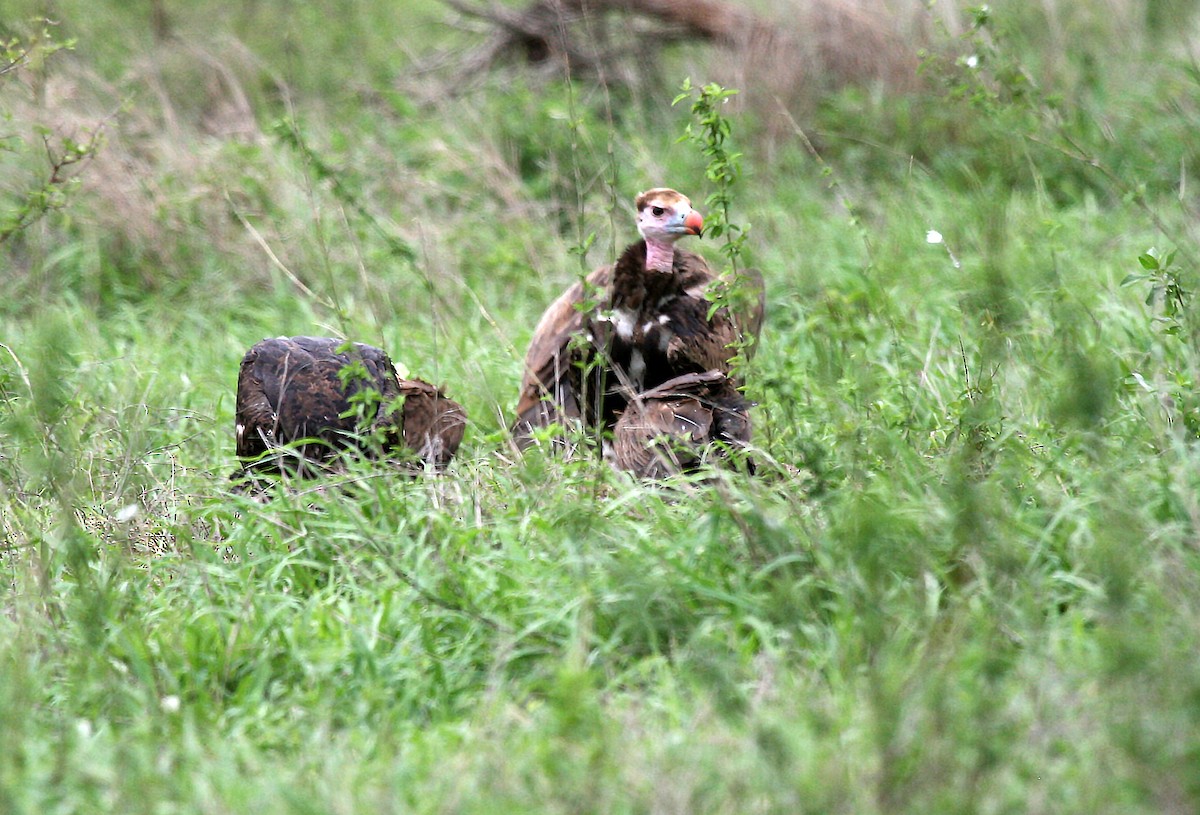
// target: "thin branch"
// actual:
[[41, 200], [1077, 153], [275, 261], [15, 62], [835, 182], [20, 368]]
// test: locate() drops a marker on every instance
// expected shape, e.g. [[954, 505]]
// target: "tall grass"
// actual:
[[965, 579]]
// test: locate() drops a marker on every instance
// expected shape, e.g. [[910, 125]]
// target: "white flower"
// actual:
[[972, 61], [170, 704], [933, 236]]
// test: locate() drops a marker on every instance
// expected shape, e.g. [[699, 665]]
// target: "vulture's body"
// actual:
[[672, 428], [648, 323], [319, 396]]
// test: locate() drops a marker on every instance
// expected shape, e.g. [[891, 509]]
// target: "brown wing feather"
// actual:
[[698, 342], [549, 380], [433, 424], [255, 416], [668, 429], [693, 272], [743, 320], [662, 436]]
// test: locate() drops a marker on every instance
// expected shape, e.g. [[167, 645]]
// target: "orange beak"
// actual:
[[694, 223]]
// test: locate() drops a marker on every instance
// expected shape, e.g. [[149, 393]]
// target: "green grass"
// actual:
[[965, 580]]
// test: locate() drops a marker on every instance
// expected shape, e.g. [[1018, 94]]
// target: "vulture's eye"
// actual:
[[658, 211]]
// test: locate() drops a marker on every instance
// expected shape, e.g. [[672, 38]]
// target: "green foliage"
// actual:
[[64, 154], [964, 578], [710, 131], [342, 186], [1166, 288], [1009, 104], [30, 51]]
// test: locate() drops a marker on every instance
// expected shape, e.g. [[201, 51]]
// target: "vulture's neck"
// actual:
[[643, 275], [660, 256]]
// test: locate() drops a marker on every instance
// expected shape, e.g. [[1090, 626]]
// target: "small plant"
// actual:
[[65, 154], [17, 52], [988, 76], [1166, 287], [371, 412], [710, 130]]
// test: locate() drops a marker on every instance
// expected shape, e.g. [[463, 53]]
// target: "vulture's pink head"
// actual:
[[665, 216]]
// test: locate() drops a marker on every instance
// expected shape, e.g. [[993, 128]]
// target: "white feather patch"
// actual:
[[622, 320]]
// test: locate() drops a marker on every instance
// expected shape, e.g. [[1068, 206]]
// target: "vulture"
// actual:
[[631, 326], [320, 396], [669, 429]]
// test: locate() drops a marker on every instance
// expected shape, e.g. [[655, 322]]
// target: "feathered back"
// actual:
[[672, 428], [321, 396]]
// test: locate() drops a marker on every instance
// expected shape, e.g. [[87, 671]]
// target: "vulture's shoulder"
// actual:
[[562, 320], [747, 305], [693, 272], [563, 317]]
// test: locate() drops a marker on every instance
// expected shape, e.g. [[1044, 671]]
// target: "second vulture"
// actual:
[[302, 401]]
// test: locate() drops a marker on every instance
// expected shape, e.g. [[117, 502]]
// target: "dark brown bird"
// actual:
[[320, 396], [648, 323], [678, 425]]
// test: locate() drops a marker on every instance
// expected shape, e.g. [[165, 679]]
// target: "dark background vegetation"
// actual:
[[965, 579]]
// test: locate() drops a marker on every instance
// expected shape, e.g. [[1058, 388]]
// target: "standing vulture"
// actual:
[[671, 428], [648, 322], [322, 396]]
